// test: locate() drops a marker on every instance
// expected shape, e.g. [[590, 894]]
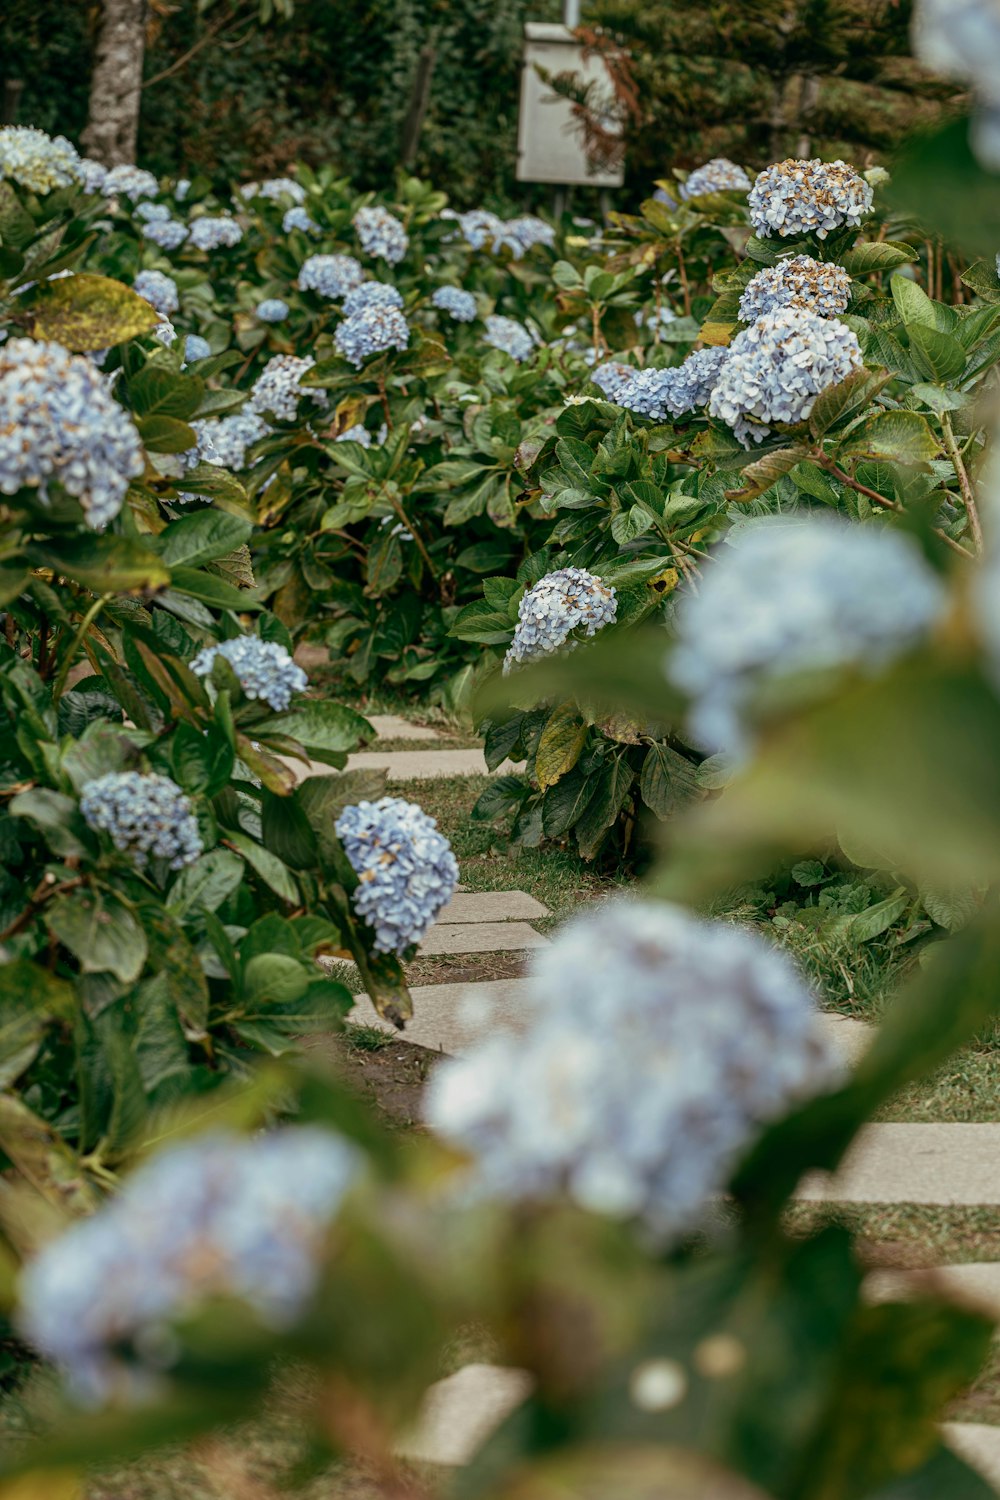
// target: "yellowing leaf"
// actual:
[[43, 1484], [560, 745], [86, 312]]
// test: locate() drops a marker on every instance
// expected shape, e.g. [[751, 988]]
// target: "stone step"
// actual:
[[461, 1413], [450, 1017], [493, 906], [952, 1165], [395, 727], [977, 1284], [481, 937], [424, 765]]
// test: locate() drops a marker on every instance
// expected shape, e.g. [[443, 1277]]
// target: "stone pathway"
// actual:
[[426, 765]]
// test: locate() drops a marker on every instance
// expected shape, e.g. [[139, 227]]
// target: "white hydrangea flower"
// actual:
[[788, 597], [563, 607], [776, 368], [798, 281], [38, 161], [658, 1044], [159, 290], [130, 181], [794, 197], [215, 232]]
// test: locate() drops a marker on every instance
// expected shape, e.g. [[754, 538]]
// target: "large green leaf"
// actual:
[[30, 999], [272, 870], [86, 312], [100, 931], [204, 885], [902, 436], [105, 564], [323, 727], [202, 537]]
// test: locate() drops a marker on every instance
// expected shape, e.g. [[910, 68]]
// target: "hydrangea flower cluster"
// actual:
[[224, 441], [357, 434], [130, 182], [405, 868], [479, 227], [146, 815], [789, 596], [168, 234], [371, 331], [799, 281], [159, 290], [59, 424], [658, 1044], [794, 197], [277, 387], [264, 668], [381, 234], [654, 317], [777, 367], [182, 188], [37, 161], [331, 276], [272, 310], [961, 39], [527, 231], [300, 218], [195, 347], [510, 336], [720, 175], [371, 294], [274, 189], [459, 304], [567, 603], [215, 232], [612, 378], [220, 1215], [659, 394], [165, 332], [147, 211]]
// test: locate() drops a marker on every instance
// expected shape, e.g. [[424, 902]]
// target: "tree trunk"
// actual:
[[116, 84]]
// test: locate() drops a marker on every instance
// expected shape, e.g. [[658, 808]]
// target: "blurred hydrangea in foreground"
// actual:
[[776, 368], [38, 161], [146, 815], [219, 1215], [264, 668], [567, 603], [961, 39], [381, 234], [787, 597], [657, 1046], [793, 198], [799, 281], [405, 868], [60, 425]]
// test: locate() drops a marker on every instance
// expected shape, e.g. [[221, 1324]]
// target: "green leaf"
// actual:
[[901, 436], [105, 564], [385, 563], [610, 795], [100, 931], [764, 472], [845, 399], [268, 866], [877, 919], [86, 312], [937, 355], [203, 537], [57, 817], [157, 390], [876, 255], [204, 885], [202, 760], [30, 999], [668, 782], [41, 1158], [912, 302], [167, 435], [560, 744], [211, 590], [323, 728], [939, 181]]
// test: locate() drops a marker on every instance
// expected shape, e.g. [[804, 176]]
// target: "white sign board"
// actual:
[[550, 146]]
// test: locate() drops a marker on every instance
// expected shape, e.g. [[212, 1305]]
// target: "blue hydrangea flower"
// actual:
[[657, 1045], [147, 817], [331, 276], [510, 336], [777, 367], [169, 234], [37, 161], [224, 441], [371, 331], [215, 233], [277, 389], [274, 189], [799, 281], [381, 234], [182, 188], [272, 310], [159, 290], [61, 427], [217, 1215], [793, 198], [357, 434], [479, 226], [132, 182], [613, 378], [786, 597], [300, 218], [559, 611], [659, 394], [653, 317], [93, 175], [529, 230], [371, 294], [264, 668], [147, 211], [165, 332], [195, 347], [720, 175], [458, 304], [405, 868]]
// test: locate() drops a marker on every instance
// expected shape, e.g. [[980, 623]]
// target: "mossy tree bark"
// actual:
[[116, 82]]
